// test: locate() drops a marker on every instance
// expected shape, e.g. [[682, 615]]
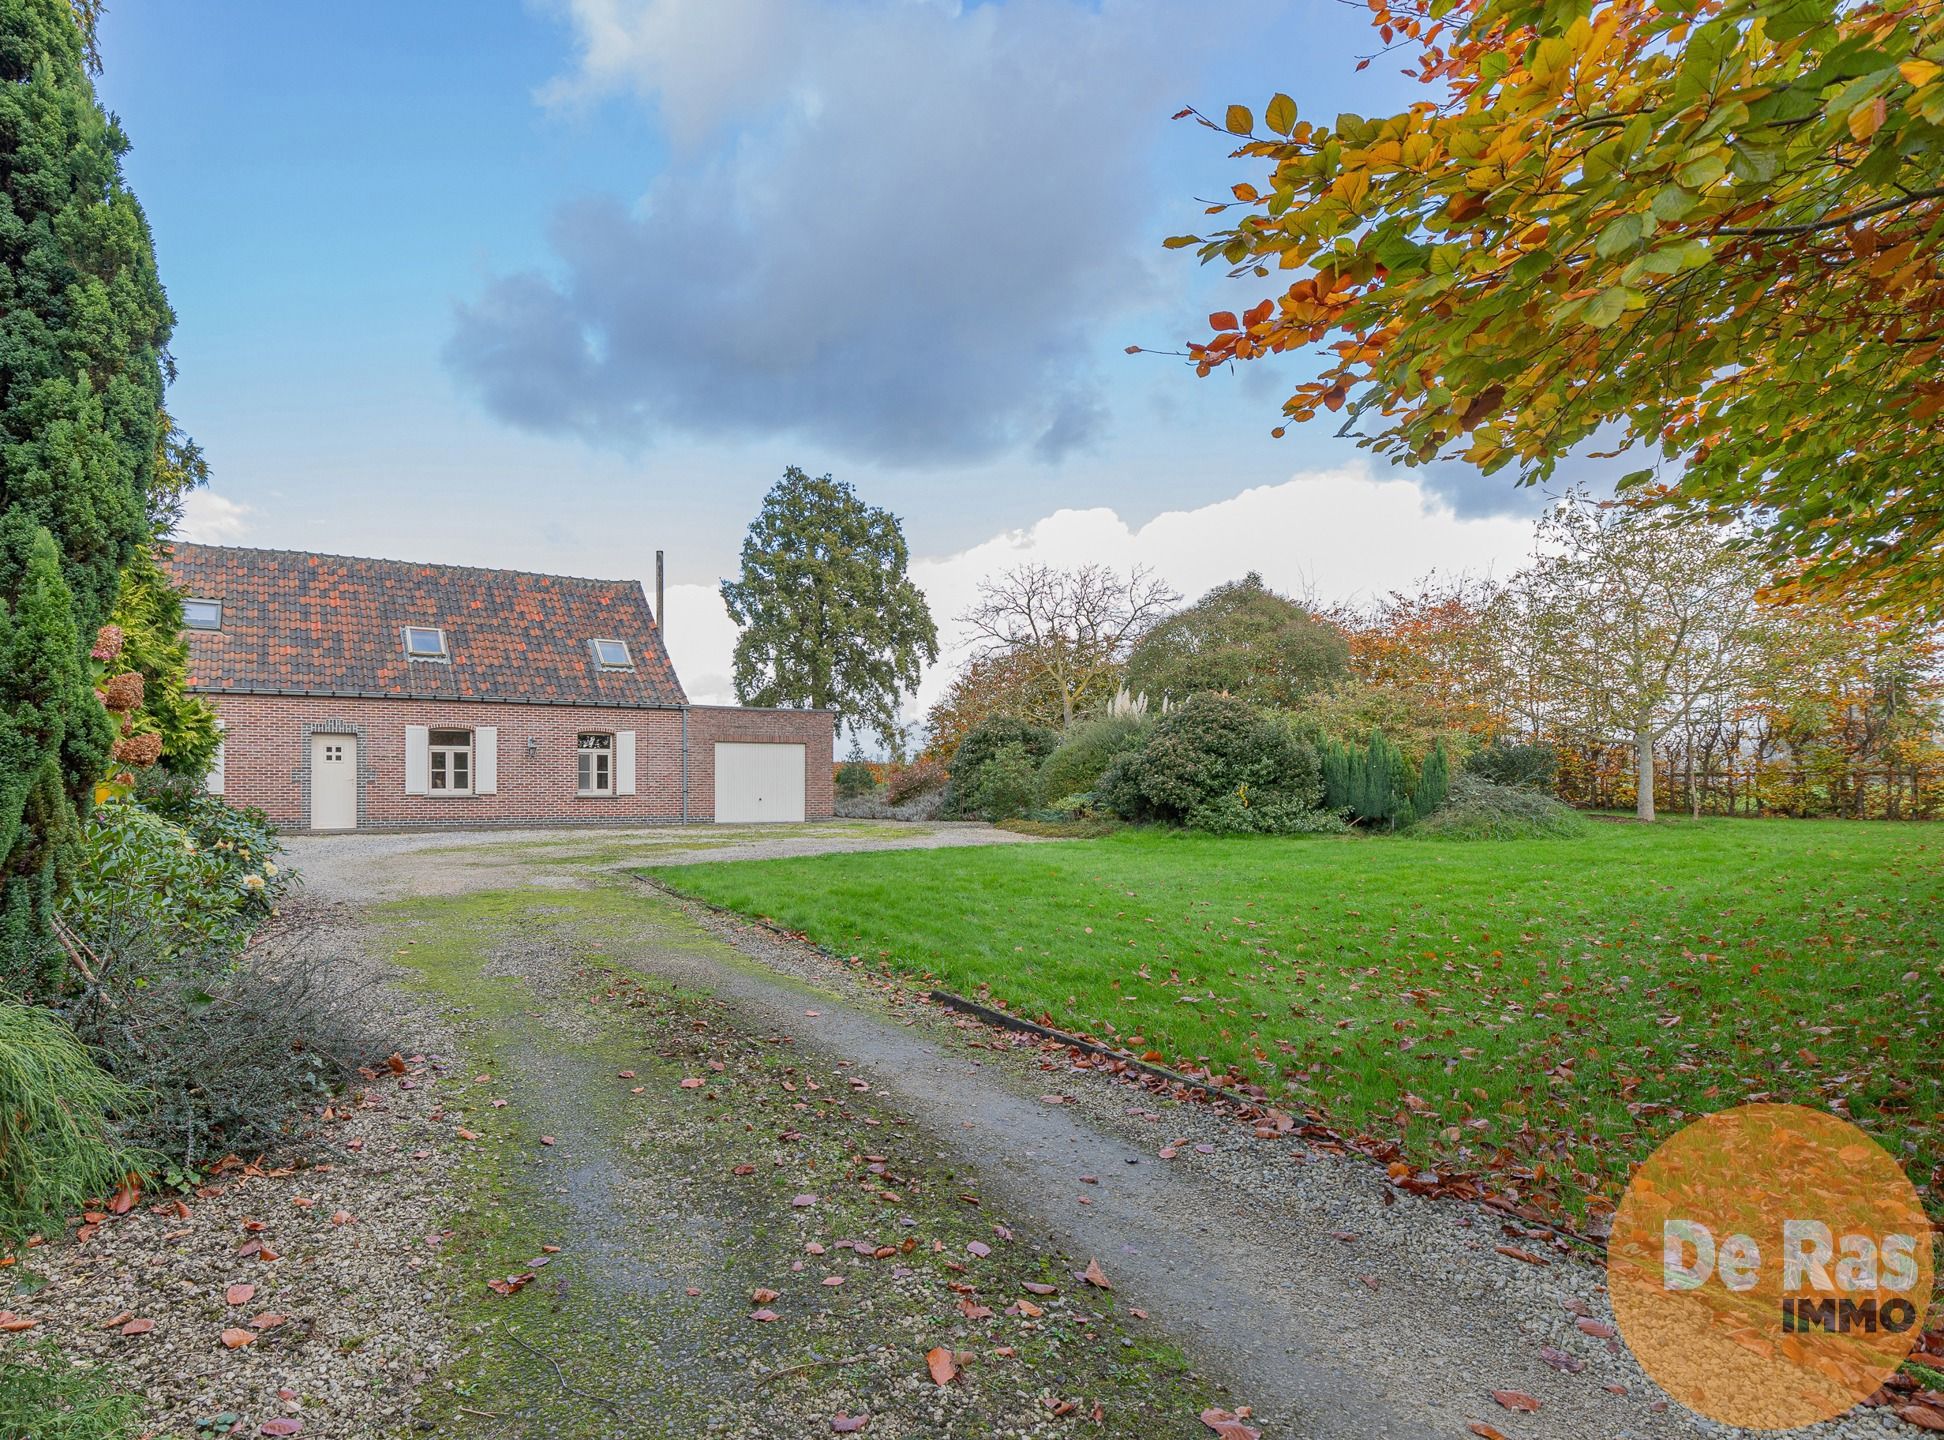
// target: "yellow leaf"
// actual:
[[1919, 72], [1866, 119], [1245, 193], [1240, 121], [1281, 115]]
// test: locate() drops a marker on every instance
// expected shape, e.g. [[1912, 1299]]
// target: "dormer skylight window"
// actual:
[[425, 642], [613, 655], [202, 614]]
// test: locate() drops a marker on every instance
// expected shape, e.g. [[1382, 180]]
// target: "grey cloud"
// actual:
[[906, 258]]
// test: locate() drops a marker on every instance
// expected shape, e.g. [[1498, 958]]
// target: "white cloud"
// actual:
[[1331, 535], [211, 519], [897, 228]]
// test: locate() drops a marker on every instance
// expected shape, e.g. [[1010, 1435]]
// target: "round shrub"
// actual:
[[979, 748], [1479, 810], [1084, 754], [1213, 757], [1006, 783]]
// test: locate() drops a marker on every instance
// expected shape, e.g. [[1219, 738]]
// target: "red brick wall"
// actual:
[[267, 759]]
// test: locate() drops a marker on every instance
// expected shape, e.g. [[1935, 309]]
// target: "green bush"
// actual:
[[980, 746], [1480, 810], [56, 1112], [1434, 783], [1241, 814], [1371, 784], [1006, 783], [855, 779], [1531, 767], [198, 888], [1210, 759], [1084, 753], [43, 1396]]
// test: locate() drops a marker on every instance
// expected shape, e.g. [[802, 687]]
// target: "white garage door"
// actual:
[[758, 782]]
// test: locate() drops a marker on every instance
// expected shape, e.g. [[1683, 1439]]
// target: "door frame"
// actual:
[[302, 776]]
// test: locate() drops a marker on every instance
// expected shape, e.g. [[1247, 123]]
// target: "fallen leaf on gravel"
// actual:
[[803, 1201], [341, 1217], [761, 1297], [1229, 1427], [1028, 1308], [978, 1248], [124, 1199], [465, 1134], [743, 1170], [849, 1424], [546, 1139], [13, 1324], [1595, 1328], [268, 1320], [138, 1327], [1348, 1237], [1137, 1312], [1095, 1276], [694, 1082], [1924, 1417], [833, 1280], [626, 1075], [236, 1339], [1167, 1152], [1034, 1287], [942, 1364], [763, 1316], [1515, 1400], [282, 1426], [395, 1063], [1560, 1360], [1484, 1431], [266, 1254], [239, 1294], [1515, 1253], [1054, 1099], [692, 1291], [120, 1320], [972, 1310], [546, 1249]]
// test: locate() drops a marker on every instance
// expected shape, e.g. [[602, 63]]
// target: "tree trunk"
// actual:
[[1644, 771]]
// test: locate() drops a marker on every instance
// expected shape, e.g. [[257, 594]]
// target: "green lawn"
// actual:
[[1546, 1009]]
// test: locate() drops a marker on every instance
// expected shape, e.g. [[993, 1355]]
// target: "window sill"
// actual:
[[594, 795]]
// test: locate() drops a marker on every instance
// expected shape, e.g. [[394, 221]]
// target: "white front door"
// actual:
[[758, 782], [334, 782]]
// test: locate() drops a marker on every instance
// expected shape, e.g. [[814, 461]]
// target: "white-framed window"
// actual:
[[613, 655], [594, 761], [451, 753], [425, 642], [202, 614]]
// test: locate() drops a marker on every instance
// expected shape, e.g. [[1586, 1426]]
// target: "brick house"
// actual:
[[378, 694]]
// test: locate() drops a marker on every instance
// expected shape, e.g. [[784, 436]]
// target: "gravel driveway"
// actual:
[[1264, 1272]]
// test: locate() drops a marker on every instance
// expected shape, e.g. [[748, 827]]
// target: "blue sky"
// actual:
[[551, 285]]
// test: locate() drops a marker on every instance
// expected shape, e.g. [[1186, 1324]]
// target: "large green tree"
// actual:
[[83, 330], [1711, 230], [1241, 639], [830, 619]]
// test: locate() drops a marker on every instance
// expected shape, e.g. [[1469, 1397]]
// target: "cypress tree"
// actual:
[[1379, 801], [84, 327], [1434, 782]]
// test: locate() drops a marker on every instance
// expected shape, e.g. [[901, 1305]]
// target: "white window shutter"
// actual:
[[418, 760], [624, 767], [213, 781], [486, 760]]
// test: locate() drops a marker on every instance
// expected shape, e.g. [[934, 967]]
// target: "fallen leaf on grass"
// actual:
[[694, 1082], [1028, 1308], [239, 1294], [1035, 1287], [511, 1285], [1229, 1426], [978, 1248], [236, 1338], [1515, 1400], [942, 1364], [626, 1075], [1095, 1276], [833, 1280]]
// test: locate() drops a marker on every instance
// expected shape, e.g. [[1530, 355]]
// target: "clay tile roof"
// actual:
[[301, 624]]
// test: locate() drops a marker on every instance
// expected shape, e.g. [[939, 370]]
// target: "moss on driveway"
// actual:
[[685, 1164]]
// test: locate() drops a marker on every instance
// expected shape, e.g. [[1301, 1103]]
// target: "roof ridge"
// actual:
[[409, 564]]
